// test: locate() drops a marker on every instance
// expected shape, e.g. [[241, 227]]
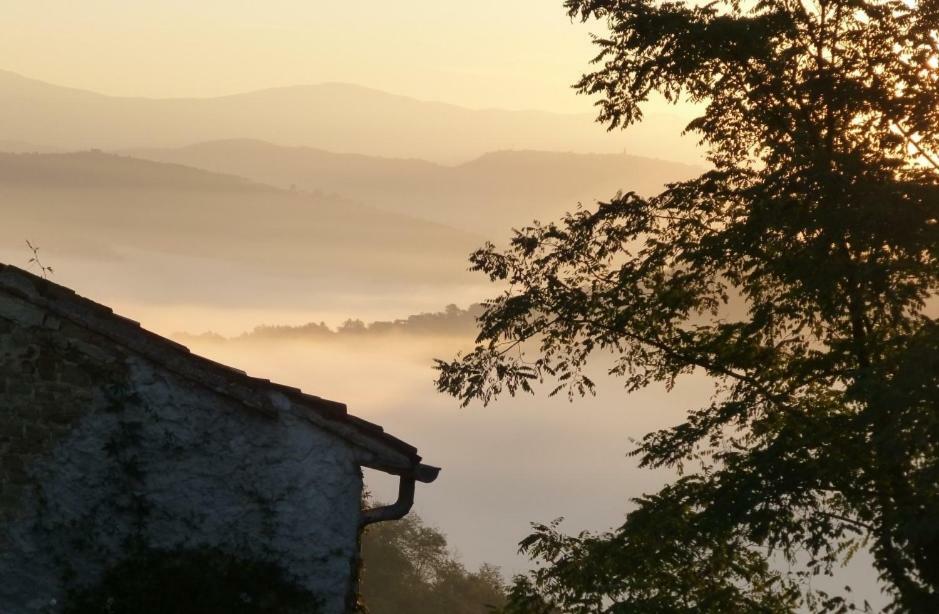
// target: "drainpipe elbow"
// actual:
[[396, 510]]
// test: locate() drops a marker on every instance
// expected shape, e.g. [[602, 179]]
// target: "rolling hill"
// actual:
[[214, 238], [487, 195], [331, 116]]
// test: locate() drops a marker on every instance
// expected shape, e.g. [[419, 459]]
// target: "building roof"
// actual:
[[378, 449]]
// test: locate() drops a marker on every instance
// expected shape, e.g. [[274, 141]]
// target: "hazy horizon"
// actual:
[[340, 118]]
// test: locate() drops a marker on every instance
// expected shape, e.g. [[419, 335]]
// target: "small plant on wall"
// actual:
[[34, 260]]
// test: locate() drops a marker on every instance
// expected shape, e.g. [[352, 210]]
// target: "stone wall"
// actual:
[[99, 448]]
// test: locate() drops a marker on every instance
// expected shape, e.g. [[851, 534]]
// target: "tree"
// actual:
[[409, 568], [797, 272]]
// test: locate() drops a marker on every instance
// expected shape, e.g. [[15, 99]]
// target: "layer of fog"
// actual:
[[521, 460], [514, 462]]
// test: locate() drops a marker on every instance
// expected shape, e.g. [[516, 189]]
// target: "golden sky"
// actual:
[[486, 53]]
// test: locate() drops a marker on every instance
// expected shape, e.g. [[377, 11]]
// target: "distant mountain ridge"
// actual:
[[488, 194], [92, 169], [331, 116], [185, 225]]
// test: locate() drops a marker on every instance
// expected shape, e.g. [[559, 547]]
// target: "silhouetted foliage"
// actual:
[[409, 568], [197, 581], [665, 558], [796, 273]]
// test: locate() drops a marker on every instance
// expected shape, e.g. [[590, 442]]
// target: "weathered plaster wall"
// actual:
[[98, 446]]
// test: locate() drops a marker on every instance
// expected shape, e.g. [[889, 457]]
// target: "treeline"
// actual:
[[408, 567], [453, 321]]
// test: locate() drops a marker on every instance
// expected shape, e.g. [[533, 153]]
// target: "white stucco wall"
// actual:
[[206, 470]]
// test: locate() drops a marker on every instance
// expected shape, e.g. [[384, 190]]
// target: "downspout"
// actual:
[[400, 508], [396, 510]]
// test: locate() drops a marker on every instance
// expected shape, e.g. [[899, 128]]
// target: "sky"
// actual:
[[489, 53]]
